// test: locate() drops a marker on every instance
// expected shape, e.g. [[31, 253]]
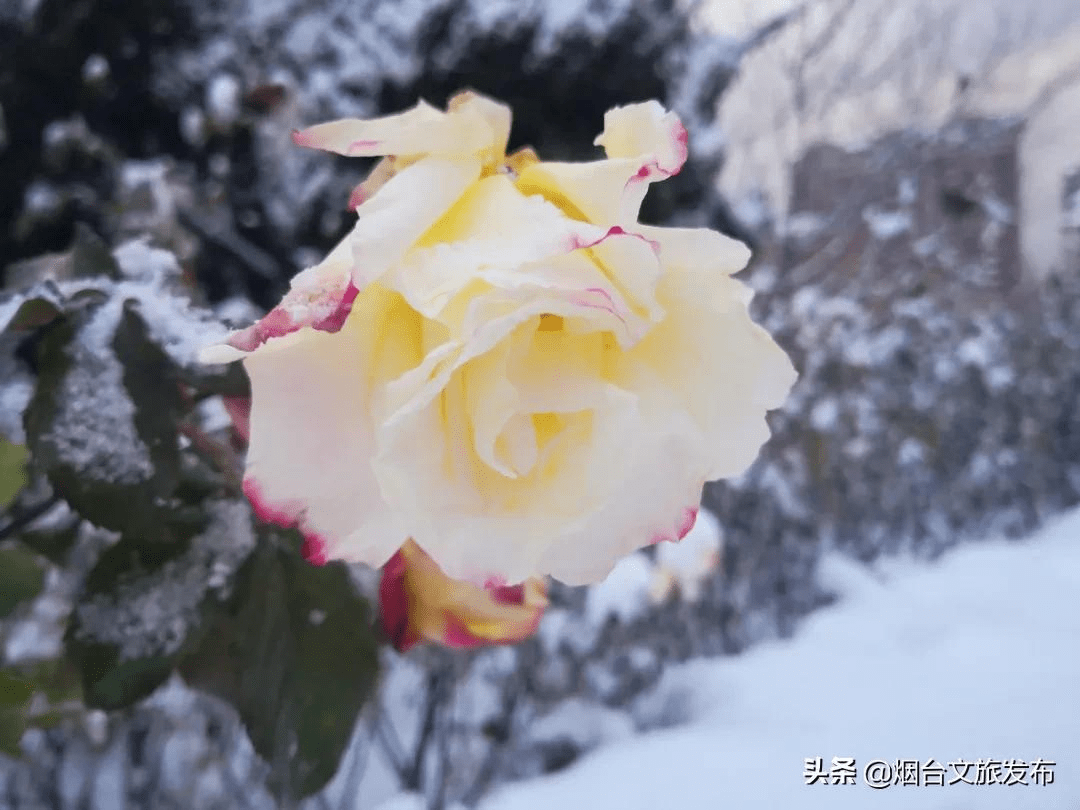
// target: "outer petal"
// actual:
[[725, 368], [312, 439], [420, 603], [472, 125], [320, 297], [643, 143], [647, 129], [407, 206], [698, 250]]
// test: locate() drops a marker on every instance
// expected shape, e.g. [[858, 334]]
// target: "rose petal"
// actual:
[[491, 226], [698, 250], [472, 125], [605, 496], [631, 263], [648, 131], [320, 297], [407, 206], [394, 604], [419, 602], [725, 368], [644, 144], [309, 414]]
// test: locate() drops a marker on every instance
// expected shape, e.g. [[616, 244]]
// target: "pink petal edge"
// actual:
[[686, 522], [287, 514], [652, 169], [394, 604], [278, 322], [577, 243]]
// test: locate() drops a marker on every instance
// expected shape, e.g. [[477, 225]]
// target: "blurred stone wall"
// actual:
[[848, 72]]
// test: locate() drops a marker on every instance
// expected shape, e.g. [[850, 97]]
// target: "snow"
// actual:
[[180, 328], [586, 724], [94, 430], [95, 69], [970, 657], [690, 562], [151, 615], [223, 100], [15, 395], [623, 594], [884, 225]]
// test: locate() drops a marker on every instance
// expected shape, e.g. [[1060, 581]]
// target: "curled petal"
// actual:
[[405, 208], [320, 297], [376, 179], [420, 603], [644, 144], [645, 132], [472, 125]]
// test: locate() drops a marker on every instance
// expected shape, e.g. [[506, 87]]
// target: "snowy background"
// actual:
[[896, 578]]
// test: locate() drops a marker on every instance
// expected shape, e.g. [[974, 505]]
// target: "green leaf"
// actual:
[[56, 679], [15, 694], [294, 652], [91, 257], [21, 578], [121, 659], [110, 682], [12, 470], [15, 690], [151, 382], [113, 469], [148, 594], [134, 557], [32, 696], [87, 258], [53, 543], [32, 314], [12, 726]]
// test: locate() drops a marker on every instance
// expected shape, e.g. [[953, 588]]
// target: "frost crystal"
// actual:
[[94, 430], [151, 614]]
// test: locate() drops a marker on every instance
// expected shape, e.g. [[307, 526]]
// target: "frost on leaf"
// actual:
[[101, 423], [145, 596]]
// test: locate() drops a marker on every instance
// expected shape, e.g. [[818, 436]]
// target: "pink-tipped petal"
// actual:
[[647, 132], [644, 144], [357, 197], [468, 128], [699, 250], [419, 602], [314, 550], [319, 298], [689, 518], [394, 604], [407, 206], [279, 513]]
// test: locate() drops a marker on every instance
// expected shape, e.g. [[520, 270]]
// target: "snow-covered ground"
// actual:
[[972, 657]]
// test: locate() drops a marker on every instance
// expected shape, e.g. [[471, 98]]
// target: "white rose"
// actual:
[[499, 362]]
